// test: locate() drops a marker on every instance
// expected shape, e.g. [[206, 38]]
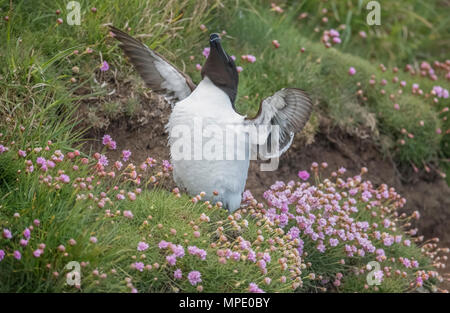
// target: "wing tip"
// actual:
[[114, 29]]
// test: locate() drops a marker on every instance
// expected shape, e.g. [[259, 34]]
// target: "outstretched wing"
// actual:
[[158, 73], [280, 116]]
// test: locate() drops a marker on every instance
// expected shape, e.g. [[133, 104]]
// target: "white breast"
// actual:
[[199, 127]]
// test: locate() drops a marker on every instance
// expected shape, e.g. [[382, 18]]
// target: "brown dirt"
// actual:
[[144, 135]]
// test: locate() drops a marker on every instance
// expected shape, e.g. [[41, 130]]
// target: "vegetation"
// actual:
[[126, 229]]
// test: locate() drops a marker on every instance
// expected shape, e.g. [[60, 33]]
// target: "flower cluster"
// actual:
[[275, 246], [331, 37], [440, 92], [91, 183]]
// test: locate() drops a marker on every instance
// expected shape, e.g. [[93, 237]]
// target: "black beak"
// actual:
[[214, 37], [215, 43]]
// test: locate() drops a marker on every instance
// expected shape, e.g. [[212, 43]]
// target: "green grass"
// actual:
[[410, 30], [38, 102], [323, 73], [66, 211], [251, 27]]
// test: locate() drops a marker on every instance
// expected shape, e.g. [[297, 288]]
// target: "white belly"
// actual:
[[209, 150]]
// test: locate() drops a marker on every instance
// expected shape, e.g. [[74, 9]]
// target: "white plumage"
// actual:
[[172, 79], [209, 105]]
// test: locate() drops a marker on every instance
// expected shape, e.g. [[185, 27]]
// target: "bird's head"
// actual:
[[221, 69]]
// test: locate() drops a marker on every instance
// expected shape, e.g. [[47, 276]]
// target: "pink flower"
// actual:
[[276, 8], [362, 34], [3, 149], [205, 52], [198, 67], [194, 277], [261, 264], [128, 214], [7, 233], [22, 153], [2, 254], [419, 281], [163, 244], [64, 178], [406, 262], [333, 242], [334, 33], [118, 165], [304, 175], [396, 106], [177, 274], [142, 246], [192, 250], [126, 155], [251, 256], [239, 69], [253, 288], [103, 160], [40, 161], [93, 239], [351, 71], [139, 266], [249, 58], [388, 241], [171, 259], [104, 67], [37, 253], [107, 141], [17, 255], [30, 169], [166, 164], [178, 250], [440, 92], [131, 196], [276, 44]]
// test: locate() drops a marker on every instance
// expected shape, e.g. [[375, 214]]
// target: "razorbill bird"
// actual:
[[204, 118]]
